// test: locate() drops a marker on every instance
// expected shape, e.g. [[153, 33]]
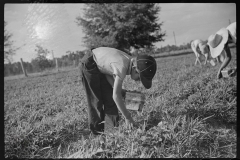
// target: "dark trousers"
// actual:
[[101, 106]]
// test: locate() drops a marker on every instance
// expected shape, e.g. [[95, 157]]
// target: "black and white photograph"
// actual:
[[120, 80]]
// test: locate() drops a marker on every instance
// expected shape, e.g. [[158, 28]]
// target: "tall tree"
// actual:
[[9, 49], [8, 45], [121, 25]]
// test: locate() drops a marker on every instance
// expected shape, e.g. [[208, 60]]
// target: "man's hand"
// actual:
[[233, 73], [130, 123], [219, 74]]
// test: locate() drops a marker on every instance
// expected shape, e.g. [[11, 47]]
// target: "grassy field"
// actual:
[[188, 114]]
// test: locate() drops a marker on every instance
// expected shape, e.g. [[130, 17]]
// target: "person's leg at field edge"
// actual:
[[196, 54], [110, 107], [91, 78]]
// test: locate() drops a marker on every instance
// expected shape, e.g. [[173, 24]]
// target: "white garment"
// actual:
[[111, 61], [232, 31], [197, 48]]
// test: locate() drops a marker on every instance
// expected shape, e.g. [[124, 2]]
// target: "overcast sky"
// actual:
[[54, 27]]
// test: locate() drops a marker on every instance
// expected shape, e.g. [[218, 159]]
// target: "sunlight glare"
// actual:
[[43, 30]]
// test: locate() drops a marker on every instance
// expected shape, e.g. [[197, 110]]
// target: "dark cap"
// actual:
[[147, 66]]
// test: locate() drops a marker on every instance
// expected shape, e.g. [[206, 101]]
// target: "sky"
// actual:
[[54, 26]]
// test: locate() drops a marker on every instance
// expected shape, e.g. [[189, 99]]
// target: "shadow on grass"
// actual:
[[69, 135], [154, 118], [218, 119]]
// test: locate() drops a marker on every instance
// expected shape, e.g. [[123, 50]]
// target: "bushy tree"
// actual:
[[41, 62], [121, 25]]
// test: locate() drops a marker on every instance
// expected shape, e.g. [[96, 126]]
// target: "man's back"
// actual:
[[108, 59]]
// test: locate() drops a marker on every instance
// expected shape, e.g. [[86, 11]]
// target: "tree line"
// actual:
[[130, 27], [170, 48], [41, 63]]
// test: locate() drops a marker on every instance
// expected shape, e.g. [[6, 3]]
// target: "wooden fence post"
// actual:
[[56, 64], [23, 69]]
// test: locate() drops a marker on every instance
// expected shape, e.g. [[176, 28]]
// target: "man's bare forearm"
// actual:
[[121, 106]]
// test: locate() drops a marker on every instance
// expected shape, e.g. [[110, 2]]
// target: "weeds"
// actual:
[[187, 114]]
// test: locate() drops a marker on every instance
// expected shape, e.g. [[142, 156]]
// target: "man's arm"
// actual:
[[226, 61], [117, 97]]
